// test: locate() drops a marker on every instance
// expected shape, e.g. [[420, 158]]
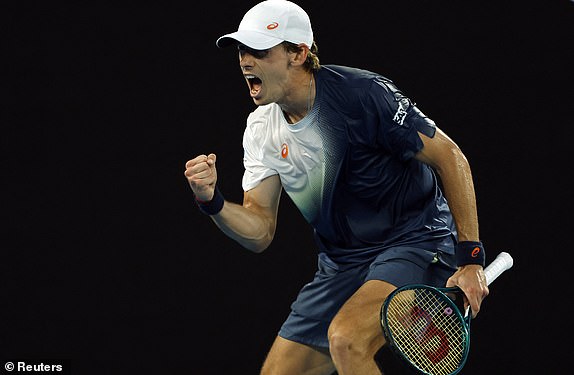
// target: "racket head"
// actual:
[[425, 329]]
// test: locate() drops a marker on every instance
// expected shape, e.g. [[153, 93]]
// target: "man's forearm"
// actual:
[[459, 191], [251, 229]]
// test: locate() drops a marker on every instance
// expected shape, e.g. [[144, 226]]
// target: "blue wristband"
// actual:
[[469, 252], [214, 205]]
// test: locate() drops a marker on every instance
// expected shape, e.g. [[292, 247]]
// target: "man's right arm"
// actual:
[[251, 224]]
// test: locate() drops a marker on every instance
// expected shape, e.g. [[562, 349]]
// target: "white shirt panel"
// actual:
[[293, 151]]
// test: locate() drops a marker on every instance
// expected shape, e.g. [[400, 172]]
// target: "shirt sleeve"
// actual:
[[253, 157], [398, 120]]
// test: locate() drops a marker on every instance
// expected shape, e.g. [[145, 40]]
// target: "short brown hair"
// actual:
[[312, 62]]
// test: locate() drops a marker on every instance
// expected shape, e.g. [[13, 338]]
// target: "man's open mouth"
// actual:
[[254, 84]]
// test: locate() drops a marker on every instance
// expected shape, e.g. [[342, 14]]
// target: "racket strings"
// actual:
[[427, 330]]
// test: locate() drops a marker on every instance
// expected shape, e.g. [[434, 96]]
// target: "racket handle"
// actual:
[[502, 262]]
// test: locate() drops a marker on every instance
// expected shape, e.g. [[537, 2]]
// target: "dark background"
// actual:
[[104, 258]]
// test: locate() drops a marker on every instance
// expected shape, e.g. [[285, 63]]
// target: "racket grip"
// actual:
[[502, 262]]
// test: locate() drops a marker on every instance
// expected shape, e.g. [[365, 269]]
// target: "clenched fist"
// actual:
[[202, 176]]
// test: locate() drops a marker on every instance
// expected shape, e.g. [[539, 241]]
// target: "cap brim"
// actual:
[[251, 39]]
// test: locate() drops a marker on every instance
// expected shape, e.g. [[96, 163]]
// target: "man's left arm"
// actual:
[[444, 156]]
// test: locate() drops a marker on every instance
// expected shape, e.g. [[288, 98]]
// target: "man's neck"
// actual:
[[301, 101]]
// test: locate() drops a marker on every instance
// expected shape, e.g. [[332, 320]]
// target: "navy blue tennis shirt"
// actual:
[[349, 168]]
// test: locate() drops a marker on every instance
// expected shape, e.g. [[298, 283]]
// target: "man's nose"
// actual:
[[245, 60]]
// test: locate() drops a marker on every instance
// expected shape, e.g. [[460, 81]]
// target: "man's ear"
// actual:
[[299, 57]]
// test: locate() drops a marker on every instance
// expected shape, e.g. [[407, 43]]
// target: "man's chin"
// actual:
[[259, 101]]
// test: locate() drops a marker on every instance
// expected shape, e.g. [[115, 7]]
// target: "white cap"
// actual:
[[269, 23]]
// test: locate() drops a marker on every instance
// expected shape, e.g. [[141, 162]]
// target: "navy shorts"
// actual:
[[320, 300]]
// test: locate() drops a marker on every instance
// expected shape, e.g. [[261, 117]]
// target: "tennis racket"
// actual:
[[425, 328]]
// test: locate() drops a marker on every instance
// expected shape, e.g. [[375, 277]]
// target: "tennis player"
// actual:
[[360, 161]]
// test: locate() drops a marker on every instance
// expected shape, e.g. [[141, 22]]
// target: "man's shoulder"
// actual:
[[354, 84], [351, 89], [260, 122], [345, 75], [261, 114]]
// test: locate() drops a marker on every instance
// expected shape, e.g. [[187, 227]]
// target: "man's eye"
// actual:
[[257, 53]]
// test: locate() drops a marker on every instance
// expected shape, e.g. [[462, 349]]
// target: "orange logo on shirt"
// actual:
[[284, 150]]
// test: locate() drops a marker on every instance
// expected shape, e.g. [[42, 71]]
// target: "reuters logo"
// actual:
[[272, 26]]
